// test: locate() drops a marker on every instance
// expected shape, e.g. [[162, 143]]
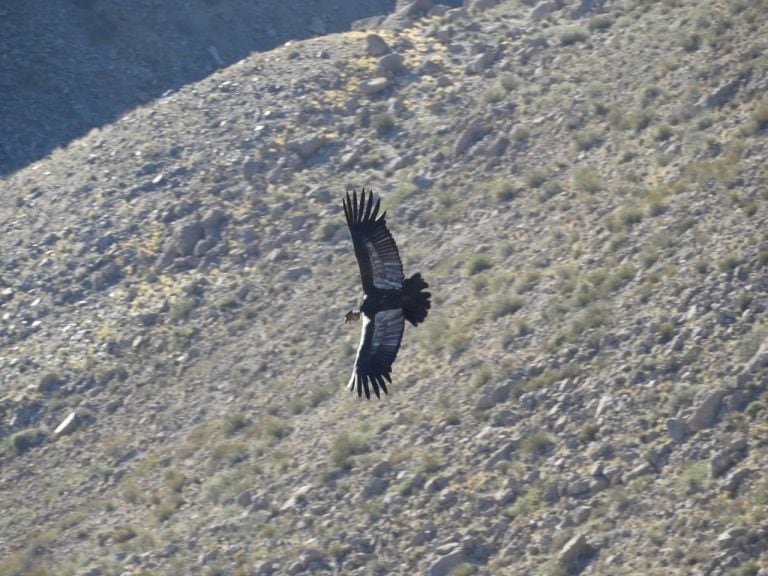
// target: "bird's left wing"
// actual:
[[379, 344], [375, 249]]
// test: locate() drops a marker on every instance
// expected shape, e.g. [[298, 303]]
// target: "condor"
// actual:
[[389, 298]]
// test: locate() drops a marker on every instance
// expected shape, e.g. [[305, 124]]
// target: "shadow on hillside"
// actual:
[[68, 67]]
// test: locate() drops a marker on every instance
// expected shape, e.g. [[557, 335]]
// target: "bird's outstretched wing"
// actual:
[[375, 249], [379, 344]]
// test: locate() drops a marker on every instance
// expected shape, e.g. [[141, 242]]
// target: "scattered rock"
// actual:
[[492, 394], [574, 554], [245, 498], [297, 499], [444, 563], [544, 9], [306, 146], [376, 45], [213, 221], [375, 85], [480, 62], [502, 454], [471, 134], [726, 458], [294, 273], [706, 413], [390, 65], [733, 537], [758, 361], [435, 484], [68, 425], [677, 429], [381, 468], [641, 470], [186, 237], [722, 94], [50, 383], [374, 487]]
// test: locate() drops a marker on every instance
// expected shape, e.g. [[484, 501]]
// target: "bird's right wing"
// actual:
[[379, 344], [375, 249]]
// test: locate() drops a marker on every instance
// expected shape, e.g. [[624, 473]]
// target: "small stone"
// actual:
[[759, 359], [641, 470], [381, 468], [374, 86], [296, 272], [390, 65], [444, 564], [213, 221], [732, 537], [726, 458], [298, 498], [68, 425], [504, 418], [579, 487], [49, 383], [734, 481], [677, 429], [307, 146], [501, 455], [435, 484], [493, 394], [187, 236], [574, 552], [245, 498], [543, 9], [706, 413], [480, 62], [471, 134], [374, 487], [376, 46]]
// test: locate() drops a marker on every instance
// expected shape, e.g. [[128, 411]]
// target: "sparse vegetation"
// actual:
[[760, 115], [588, 207], [478, 263], [346, 445], [573, 35], [383, 123]]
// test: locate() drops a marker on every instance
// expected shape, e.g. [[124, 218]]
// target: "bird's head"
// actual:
[[351, 316]]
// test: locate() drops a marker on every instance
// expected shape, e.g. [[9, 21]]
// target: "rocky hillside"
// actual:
[[73, 65], [583, 184]]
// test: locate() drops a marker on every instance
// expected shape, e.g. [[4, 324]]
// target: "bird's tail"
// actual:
[[415, 300]]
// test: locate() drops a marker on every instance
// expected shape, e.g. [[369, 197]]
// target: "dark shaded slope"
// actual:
[[68, 67]]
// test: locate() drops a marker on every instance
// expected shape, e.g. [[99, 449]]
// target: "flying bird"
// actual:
[[389, 299]]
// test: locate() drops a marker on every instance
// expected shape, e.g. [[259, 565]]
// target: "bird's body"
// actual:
[[389, 298]]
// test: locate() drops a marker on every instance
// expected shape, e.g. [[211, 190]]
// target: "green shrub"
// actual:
[[27, 439], [383, 123], [520, 134], [601, 22], [587, 139], [587, 179], [505, 305], [477, 263], [573, 35], [662, 133], [346, 445], [537, 443], [760, 115], [503, 190], [525, 504], [536, 177], [494, 94]]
